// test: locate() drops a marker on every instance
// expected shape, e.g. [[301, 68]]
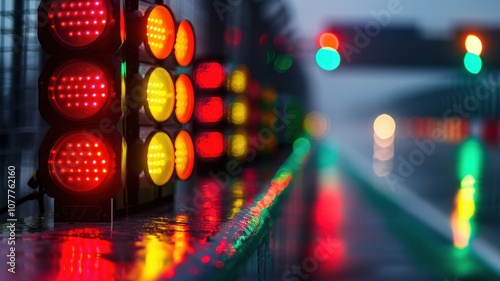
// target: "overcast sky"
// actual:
[[432, 15]]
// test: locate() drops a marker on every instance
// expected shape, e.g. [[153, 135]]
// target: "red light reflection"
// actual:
[[82, 257]]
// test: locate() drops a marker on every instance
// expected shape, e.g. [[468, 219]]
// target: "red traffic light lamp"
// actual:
[[81, 26], [83, 169], [81, 91]]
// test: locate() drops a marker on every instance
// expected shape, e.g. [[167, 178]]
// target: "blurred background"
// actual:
[[330, 140]]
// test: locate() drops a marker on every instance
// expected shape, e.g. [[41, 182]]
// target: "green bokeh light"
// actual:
[[328, 58], [283, 62], [471, 158], [269, 56], [473, 63]]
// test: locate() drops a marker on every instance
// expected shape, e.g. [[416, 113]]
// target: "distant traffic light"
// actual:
[[210, 110], [328, 57], [209, 75], [210, 145], [472, 59]]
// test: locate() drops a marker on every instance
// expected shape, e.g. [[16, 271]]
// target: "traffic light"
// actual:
[[100, 92], [472, 59], [159, 83], [328, 56], [210, 113], [82, 159]]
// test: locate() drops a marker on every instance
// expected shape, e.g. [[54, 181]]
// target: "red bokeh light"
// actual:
[[78, 23], [209, 75], [78, 90], [210, 145], [209, 110], [329, 40], [80, 162], [233, 36]]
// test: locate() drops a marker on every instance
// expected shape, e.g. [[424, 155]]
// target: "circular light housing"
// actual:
[[160, 31], [78, 23], [159, 94], [160, 159], [80, 162], [184, 43], [184, 104], [184, 155], [78, 90]]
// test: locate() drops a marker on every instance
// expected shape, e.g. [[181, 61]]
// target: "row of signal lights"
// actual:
[[109, 98]]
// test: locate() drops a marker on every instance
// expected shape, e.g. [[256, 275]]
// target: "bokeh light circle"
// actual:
[[317, 125], [328, 58], [384, 126]]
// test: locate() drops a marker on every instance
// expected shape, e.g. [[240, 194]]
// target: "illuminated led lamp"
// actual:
[[238, 81], [159, 31], [233, 36], [238, 111], [160, 158], [209, 110], [209, 75], [210, 145], [160, 94], [184, 155], [81, 91], [184, 43], [81, 26], [238, 145], [82, 162], [473, 44], [328, 39], [184, 99]]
